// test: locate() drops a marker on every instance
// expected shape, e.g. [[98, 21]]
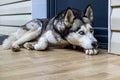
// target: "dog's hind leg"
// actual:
[[42, 44], [7, 43], [28, 36]]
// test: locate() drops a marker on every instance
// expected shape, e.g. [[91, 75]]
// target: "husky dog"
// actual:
[[70, 27]]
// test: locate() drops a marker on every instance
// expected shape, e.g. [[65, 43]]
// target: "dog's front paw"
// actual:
[[16, 48], [91, 51]]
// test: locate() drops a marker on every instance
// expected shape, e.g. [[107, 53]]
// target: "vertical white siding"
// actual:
[[114, 32]]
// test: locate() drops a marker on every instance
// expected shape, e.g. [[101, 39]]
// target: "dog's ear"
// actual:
[[69, 17], [89, 12]]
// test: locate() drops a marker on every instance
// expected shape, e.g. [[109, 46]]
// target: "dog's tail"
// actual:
[[7, 43]]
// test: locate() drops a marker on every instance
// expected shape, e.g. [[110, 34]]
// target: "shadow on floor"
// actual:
[[2, 37]]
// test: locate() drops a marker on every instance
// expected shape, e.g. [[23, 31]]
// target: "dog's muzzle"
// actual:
[[94, 44]]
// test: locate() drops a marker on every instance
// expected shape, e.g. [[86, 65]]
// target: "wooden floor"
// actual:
[[58, 64]]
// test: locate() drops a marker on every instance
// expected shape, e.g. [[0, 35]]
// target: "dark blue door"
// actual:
[[100, 8]]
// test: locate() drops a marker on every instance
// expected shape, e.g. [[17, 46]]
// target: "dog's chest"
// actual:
[[61, 43], [55, 39]]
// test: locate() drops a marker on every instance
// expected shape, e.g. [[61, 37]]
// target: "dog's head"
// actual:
[[75, 27]]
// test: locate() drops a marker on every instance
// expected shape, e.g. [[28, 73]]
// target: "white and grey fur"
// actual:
[[70, 27]]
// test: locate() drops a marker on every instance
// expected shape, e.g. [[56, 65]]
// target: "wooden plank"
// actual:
[[7, 30], [8, 1], [115, 19], [115, 2], [23, 7], [58, 64], [14, 20], [115, 43]]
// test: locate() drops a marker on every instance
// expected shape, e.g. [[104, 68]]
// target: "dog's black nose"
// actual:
[[95, 44]]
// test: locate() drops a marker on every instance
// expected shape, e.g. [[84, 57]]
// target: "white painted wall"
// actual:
[[9, 14], [39, 9]]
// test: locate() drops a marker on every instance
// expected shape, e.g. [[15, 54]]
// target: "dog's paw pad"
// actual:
[[28, 46], [91, 51]]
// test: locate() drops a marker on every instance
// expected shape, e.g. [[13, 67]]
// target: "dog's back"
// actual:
[[29, 27]]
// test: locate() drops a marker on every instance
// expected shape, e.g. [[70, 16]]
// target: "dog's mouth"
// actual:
[[93, 45]]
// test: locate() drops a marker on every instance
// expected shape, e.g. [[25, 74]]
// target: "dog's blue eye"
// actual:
[[82, 33], [91, 30]]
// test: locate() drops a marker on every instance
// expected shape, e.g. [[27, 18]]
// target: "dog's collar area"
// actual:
[[58, 32]]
